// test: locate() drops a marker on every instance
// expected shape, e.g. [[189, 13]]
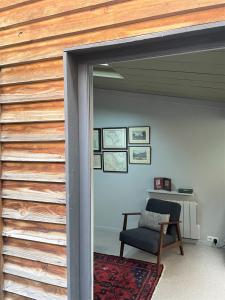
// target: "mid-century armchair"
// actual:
[[150, 240]]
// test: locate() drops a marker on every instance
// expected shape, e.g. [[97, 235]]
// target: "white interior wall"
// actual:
[[188, 145]]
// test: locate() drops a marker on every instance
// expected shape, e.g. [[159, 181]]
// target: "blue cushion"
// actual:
[[145, 239]]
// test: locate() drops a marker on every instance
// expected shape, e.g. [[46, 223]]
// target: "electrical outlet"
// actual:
[[213, 239]]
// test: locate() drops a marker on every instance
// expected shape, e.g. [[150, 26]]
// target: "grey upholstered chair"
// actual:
[[150, 240]]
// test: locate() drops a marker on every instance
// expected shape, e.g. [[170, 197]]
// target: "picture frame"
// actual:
[[97, 139], [114, 138], [115, 161], [139, 135], [140, 155], [97, 161]]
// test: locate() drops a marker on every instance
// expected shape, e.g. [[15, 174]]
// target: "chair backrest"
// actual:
[[165, 207]]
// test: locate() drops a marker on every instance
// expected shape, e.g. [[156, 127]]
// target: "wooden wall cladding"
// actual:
[[41, 71], [33, 211], [33, 289], [11, 296], [41, 151], [31, 92], [32, 171], [35, 231], [34, 191], [36, 251], [32, 132], [38, 271], [33, 35], [32, 112]]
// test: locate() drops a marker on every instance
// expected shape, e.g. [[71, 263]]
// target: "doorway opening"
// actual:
[[116, 92]]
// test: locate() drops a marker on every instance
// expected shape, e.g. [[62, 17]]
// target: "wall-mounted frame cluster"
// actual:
[[111, 148]]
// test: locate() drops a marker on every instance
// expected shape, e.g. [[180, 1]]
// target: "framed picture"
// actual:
[[140, 155], [139, 135], [115, 161], [114, 138], [97, 161], [97, 139]]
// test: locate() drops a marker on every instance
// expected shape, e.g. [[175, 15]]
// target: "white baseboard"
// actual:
[[203, 243], [209, 244], [110, 229]]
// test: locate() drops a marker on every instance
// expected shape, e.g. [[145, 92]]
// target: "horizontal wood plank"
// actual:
[[32, 132], [39, 151], [43, 9], [34, 191], [33, 289], [53, 48], [33, 211], [8, 4], [32, 92], [11, 296], [41, 252], [33, 72], [114, 15], [30, 171], [37, 271], [32, 112], [35, 231]]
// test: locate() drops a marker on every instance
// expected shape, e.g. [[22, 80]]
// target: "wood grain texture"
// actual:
[[33, 289], [33, 72], [30, 211], [114, 15], [40, 252], [33, 171], [35, 231], [1, 229], [37, 271], [40, 151], [45, 9], [11, 296], [32, 112], [34, 191], [32, 132], [8, 4], [32, 92], [53, 48]]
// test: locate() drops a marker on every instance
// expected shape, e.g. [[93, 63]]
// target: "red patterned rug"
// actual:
[[118, 278]]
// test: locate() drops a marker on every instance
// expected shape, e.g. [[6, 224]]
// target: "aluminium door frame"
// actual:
[[78, 62]]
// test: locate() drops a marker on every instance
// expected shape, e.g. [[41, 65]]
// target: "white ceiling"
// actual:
[[196, 76]]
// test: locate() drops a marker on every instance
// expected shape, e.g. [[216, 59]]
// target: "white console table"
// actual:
[[189, 227]]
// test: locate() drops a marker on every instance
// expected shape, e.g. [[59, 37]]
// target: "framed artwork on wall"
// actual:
[[97, 139], [115, 161], [140, 155], [139, 135], [97, 161], [114, 138]]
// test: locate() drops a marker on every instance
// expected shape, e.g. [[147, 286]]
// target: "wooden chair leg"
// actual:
[[160, 250], [158, 263], [121, 249], [180, 239]]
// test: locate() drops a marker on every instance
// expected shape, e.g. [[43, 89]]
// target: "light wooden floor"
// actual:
[[198, 275]]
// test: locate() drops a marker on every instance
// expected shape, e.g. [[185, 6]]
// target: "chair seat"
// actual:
[[145, 239]]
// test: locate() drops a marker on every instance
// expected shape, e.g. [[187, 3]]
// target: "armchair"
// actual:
[[150, 240]]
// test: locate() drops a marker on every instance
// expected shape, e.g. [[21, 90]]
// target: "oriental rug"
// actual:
[[118, 278]]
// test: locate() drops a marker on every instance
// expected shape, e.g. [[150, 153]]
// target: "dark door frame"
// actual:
[[78, 64]]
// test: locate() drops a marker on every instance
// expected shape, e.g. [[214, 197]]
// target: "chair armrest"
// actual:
[[169, 223], [125, 218], [131, 214]]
